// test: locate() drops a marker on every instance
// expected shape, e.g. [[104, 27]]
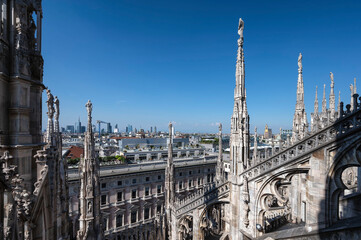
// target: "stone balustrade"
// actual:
[[203, 195], [348, 122]]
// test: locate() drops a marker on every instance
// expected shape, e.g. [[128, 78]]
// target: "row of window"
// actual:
[[147, 179], [119, 219], [134, 194], [191, 172], [210, 178], [134, 181]]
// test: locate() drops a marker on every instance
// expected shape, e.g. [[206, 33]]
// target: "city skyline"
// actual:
[[184, 72]]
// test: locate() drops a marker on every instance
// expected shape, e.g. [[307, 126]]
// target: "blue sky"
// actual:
[[150, 62]]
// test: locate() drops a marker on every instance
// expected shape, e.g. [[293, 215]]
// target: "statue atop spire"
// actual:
[[50, 105], [56, 115], [240, 29], [89, 108]]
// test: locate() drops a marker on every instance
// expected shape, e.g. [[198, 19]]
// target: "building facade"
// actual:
[[133, 196]]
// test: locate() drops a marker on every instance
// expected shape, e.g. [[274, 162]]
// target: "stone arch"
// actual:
[[259, 206], [348, 156], [211, 220], [185, 227]]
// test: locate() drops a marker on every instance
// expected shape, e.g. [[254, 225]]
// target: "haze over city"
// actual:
[[147, 63]]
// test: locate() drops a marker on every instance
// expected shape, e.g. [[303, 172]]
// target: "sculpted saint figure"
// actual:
[[300, 61], [332, 82], [50, 103], [240, 27], [56, 106], [89, 108]]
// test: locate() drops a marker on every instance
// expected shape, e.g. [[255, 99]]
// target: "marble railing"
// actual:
[[203, 195], [348, 122]]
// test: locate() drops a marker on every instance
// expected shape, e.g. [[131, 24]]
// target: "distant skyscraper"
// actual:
[[151, 129], [78, 127], [82, 129], [70, 129], [155, 129], [130, 128], [109, 128], [126, 129]]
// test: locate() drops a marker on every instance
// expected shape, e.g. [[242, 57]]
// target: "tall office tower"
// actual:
[[77, 128], [109, 128]]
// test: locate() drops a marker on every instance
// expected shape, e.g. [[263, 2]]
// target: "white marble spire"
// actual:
[[324, 102], [300, 124], [255, 145], [354, 86], [351, 93], [315, 111], [239, 141], [219, 170], [169, 178], [240, 118], [332, 99], [89, 197], [339, 104]]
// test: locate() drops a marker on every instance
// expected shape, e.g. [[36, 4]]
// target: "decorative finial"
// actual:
[[220, 127]]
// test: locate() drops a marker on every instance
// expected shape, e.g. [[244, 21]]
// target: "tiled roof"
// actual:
[[74, 152]]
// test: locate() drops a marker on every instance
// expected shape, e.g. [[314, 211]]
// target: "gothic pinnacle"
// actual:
[[324, 102], [332, 101], [316, 103], [354, 86]]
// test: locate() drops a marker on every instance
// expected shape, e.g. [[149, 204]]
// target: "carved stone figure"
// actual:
[[90, 207], [89, 108], [300, 62], [50, 103], [56, 108], [240, 27]]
